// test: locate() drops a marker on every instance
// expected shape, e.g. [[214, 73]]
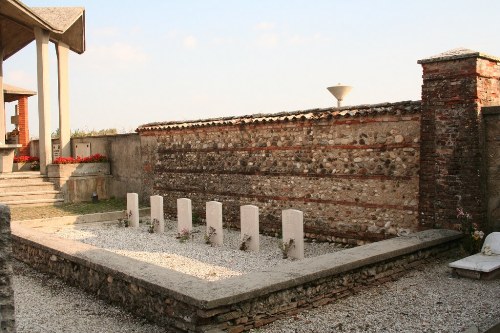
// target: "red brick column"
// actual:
[[456, 85], [24, 135]]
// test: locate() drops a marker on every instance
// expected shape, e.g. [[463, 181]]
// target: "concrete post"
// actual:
[[133, 209], [157, 218], [62, 71], [250, 226], [293, 228], [184, 215], [45, 143], [214, 222]]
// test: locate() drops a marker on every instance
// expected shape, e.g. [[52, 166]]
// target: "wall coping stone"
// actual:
[[405, 107], [209, 295], [456, 54]]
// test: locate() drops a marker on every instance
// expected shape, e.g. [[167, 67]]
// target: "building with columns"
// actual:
[[65, 27]]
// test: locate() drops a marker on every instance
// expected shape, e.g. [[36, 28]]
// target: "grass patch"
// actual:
[[81, 208]]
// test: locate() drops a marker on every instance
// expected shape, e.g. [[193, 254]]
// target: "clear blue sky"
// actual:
[[155, 60]]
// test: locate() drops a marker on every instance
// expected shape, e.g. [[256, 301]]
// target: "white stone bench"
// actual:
[[481, 266]]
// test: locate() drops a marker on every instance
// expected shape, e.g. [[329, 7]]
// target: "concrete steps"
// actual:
[[28, 189]]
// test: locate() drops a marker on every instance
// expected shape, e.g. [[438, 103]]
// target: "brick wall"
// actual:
[[492, 165], [7, 316], [24, 134], [455, 87], [353, 171]]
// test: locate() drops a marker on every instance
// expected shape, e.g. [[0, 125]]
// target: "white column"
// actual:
[[62, 71], [2, 102], [293, 228], [214, 220], [133, 209], [157, 218], [250, 226], [184, 215], [42, 52]]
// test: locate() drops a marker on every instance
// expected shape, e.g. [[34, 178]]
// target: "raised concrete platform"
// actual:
[[186, 303], [484, 265]]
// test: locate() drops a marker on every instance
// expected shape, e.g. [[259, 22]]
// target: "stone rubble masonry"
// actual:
[[455, 88], [7, 313], [353, 171]]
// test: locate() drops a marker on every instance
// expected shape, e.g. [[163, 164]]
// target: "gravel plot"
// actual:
[[192, 257], [44, 304], [426, 300]]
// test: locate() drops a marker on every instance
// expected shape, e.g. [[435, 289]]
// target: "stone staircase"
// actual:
[[28, 189]]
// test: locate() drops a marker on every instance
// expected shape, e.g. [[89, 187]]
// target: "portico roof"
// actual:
[[13, 93], [18, 21]]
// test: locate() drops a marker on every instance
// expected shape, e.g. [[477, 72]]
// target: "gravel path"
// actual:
[[45, 304], [192, 257]]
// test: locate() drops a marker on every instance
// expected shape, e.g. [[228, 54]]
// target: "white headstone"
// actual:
[[133, 209], [214, 220], [184, 215], [293, 228], [493, 242], [250, 226], [157, 218]]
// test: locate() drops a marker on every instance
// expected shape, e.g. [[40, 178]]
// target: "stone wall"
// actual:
[[456, 85], [491, 117], [7, 313], [352, 171], [124, 153]]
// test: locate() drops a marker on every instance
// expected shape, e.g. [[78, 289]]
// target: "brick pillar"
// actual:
[[456, 84], [24, 133]]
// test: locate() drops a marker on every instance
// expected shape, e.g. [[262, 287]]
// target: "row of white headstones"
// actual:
[[292, 223]]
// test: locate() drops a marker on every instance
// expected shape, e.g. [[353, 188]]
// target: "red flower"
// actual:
[[25, 159], [97, 158]]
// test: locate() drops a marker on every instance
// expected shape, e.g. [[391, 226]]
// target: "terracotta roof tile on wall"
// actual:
[[406, 107]]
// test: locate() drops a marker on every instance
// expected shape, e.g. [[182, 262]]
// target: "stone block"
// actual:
[[184, 215], [214, 222], [157, 218], [250, 226], [293, 229], [7, 317], [133, 209]]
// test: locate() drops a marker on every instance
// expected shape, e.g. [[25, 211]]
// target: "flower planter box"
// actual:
[[21, 166], [77, 170]]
